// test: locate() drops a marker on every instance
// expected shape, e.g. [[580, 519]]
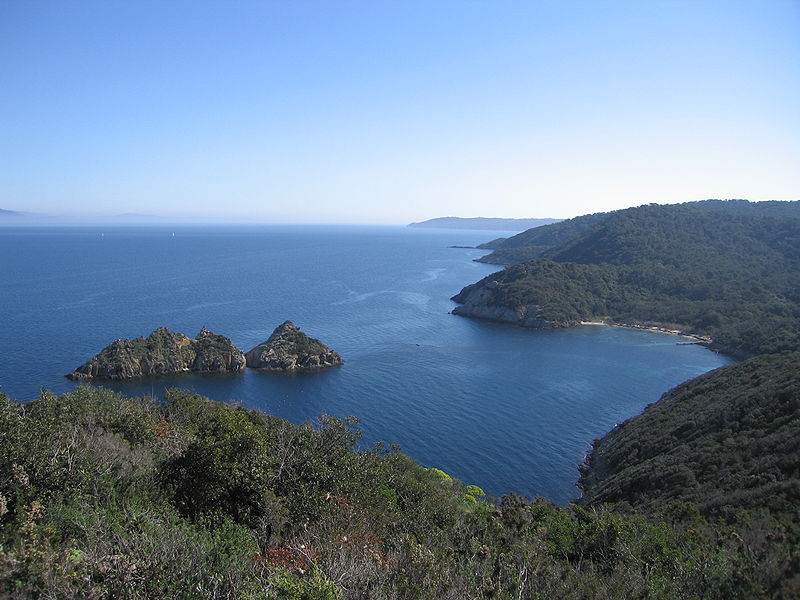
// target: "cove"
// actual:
[[501, 407]]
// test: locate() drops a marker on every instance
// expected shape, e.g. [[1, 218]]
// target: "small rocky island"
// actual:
[[289, 349], [163, 352]]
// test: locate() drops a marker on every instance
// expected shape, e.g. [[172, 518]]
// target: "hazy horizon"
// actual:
[[33, 219], [361, 112], [28, 219]]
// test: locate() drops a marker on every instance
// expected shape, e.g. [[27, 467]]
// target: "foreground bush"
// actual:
[[107, 497]]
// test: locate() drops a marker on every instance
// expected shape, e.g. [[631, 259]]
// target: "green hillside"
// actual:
[[709, 271], [722, 448], [726, 441], [546, 236], [536, 243]]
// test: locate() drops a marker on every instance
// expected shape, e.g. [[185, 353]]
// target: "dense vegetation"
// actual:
[[725, 441], [542, 238], [534, 243], [106, 497], [709, 268]]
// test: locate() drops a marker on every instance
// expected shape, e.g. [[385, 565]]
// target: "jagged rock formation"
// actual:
[[163, 352], [289, 349]]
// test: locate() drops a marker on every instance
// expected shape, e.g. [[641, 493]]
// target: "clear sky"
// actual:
[[390, 112]]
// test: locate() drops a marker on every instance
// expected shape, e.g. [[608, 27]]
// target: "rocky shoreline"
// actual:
[[163, 352], [522, 317], [479, 301]]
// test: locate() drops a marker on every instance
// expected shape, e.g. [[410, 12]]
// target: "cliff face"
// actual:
[[163, 352], [289, 349], [485, 300]]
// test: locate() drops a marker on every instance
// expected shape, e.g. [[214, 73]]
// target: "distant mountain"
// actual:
[[533, 242], [489, 223], [16, 217]]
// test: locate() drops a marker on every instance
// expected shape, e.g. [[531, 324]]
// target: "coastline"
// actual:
[[500, 315], [701, 340]]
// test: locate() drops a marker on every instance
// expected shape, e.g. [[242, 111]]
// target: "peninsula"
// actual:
[[725, 270]]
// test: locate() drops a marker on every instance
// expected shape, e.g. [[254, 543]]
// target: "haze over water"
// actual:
[[505, 408]]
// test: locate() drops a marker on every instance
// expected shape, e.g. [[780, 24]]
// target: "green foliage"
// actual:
[[224, 470], [311, 587], [533, 242], [726, 441], [104, 496], [718, 269], [439, 474], [473, 493]]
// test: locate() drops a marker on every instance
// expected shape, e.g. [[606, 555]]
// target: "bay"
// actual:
[[501, 407]]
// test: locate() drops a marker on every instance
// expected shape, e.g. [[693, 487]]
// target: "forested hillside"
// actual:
[[723, 447], [535, 243], [726, 441], [712, 272], [541, 238]]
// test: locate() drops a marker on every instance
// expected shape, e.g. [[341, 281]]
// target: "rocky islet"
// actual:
[[165, 352], [289, 349]]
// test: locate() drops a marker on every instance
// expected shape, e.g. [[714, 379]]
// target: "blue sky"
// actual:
[[390, 112]]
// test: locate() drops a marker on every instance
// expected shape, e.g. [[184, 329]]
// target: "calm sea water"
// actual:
[[505, 408]]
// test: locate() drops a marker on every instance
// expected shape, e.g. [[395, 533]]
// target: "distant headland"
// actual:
[[488, 223]]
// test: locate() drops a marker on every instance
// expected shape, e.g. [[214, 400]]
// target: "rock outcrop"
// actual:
[[163, 352], [289, 349], [480, 301]]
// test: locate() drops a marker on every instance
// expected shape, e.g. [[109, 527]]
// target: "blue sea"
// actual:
[[505, 408]]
